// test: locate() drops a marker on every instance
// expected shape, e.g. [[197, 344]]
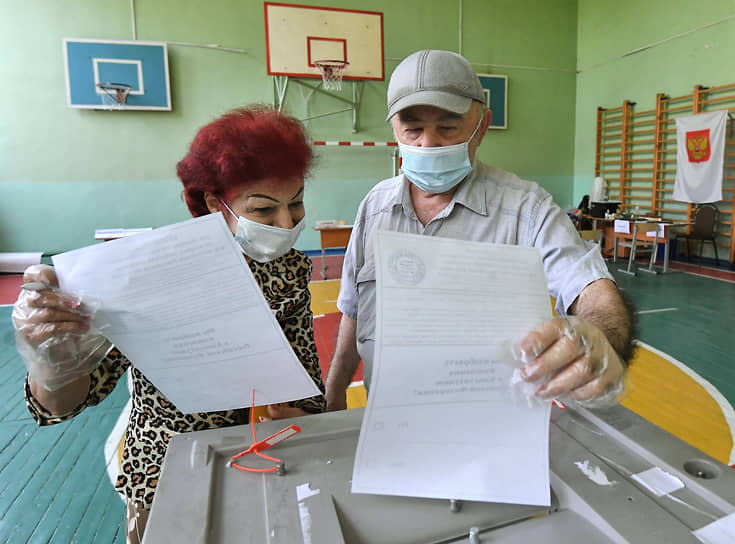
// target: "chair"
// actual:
[[637, 245], [705, 224], [591, 235]]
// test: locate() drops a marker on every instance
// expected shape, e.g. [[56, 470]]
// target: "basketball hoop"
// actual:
[[114, 95], [332, 73]]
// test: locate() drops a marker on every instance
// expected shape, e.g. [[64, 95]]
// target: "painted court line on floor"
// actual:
[[727, 410], [657, 311], [706, 276]]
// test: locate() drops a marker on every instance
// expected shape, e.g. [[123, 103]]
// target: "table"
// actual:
[[606, 226], [332, 236], [113, 234], [664, 233]]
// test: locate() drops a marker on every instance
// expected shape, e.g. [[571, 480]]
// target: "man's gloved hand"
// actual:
[[573, 359]]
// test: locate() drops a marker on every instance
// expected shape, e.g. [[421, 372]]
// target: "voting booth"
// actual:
[[614, 478]]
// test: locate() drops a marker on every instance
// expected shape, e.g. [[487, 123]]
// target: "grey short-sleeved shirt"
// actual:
[[490, 205]]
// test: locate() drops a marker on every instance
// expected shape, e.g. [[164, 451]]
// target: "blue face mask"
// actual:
[[437, 169]]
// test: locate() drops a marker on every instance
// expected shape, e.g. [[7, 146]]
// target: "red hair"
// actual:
[[243, 146]]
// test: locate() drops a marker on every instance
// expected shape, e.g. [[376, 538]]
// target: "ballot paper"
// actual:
[[182, 304], [442, 419]]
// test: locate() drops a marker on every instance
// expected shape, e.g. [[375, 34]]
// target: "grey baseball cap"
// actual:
[[433, 78]]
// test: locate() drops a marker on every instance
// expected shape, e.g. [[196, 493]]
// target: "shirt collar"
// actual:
[[467, 195], [471, 192]]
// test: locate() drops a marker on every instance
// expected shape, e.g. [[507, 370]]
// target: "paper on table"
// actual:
[[661, 232], [181, 303], [621, 226], [441, 420]]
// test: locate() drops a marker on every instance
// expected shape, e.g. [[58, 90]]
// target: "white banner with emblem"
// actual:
[[700, 153]]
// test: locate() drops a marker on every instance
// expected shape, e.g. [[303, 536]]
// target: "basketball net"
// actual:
[[332, 71], [114, 95]]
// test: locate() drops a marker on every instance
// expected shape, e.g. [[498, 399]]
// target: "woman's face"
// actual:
[[278, 203]]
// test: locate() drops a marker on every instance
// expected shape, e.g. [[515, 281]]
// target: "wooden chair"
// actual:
[[638, 245], [705, 224], [591, 235]]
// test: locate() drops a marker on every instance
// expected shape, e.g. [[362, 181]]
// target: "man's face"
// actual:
[[429, 126]]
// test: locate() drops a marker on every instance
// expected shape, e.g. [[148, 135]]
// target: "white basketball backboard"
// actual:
[[296, 36]]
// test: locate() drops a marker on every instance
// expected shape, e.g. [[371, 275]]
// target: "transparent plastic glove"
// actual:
[[53, 331], [571, 359]]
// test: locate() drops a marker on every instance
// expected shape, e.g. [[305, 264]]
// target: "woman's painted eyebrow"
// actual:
[[298, 193], [258, 195]]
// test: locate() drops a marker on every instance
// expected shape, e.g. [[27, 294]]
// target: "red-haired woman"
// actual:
[[249, 164]]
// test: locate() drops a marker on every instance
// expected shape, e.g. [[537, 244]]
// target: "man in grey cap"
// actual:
[[436, 107]]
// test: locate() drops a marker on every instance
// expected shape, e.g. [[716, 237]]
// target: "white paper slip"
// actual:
[[621, 226], [182, 304], [660, 232], [442, 420], [658, 481], [721, 531]]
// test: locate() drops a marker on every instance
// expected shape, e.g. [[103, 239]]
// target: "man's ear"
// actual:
[[212, 202], [486, 120], [487, 117]]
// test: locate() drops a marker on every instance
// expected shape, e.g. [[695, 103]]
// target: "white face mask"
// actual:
[[264, 243], [437, 169]]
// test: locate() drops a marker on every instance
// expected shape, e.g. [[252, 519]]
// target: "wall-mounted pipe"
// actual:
[[132, 15], [460, 27]]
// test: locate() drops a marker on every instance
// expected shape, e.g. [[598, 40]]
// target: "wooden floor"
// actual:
[[53, 481]]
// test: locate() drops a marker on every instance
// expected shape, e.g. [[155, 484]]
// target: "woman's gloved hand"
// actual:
[[53, 331]]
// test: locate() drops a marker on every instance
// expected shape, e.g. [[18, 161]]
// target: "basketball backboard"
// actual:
[[495, 89], [142, 65], [296, 36]]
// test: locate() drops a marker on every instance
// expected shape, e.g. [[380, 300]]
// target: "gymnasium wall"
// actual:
[[66, 172], [607, 78]]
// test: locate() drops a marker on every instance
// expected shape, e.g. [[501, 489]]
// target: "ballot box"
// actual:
[[599, 493]]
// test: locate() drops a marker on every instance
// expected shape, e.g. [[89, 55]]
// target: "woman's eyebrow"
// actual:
[[258, 195]]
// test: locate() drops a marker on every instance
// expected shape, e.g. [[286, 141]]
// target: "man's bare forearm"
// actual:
[[604, 306], [344, 364]]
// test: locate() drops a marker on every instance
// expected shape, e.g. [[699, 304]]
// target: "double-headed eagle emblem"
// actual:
[[698, 147]]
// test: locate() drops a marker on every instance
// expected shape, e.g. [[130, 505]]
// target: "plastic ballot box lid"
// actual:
[[595, 499]]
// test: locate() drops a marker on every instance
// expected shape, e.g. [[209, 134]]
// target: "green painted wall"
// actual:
[[65, 172], [606, 78]]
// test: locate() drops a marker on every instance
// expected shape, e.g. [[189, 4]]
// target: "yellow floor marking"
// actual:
[[356, 395], [669, 394], [324, 296]]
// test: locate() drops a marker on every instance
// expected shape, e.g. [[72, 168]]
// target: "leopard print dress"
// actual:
[[154, 419]]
